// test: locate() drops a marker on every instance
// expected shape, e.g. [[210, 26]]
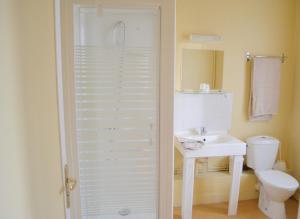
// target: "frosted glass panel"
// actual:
[[116, 89]]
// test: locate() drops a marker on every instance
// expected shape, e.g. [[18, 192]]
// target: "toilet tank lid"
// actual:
[[262, 139]]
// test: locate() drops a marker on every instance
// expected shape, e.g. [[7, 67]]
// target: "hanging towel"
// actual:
[[265, 88]]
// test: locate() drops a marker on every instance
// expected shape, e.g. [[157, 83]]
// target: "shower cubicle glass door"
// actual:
[[116, 152]]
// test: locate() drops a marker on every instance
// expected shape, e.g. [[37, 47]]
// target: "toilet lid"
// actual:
[[278, 179]]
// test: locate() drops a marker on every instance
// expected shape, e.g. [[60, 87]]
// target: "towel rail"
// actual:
[[249, 57]]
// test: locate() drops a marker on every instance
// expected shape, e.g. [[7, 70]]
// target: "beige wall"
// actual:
[[29, 150], [294, 145], [215, 188], [15, 197], [263, 27]]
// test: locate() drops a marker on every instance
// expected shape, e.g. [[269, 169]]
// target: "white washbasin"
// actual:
[[211, 144], [211, 139]]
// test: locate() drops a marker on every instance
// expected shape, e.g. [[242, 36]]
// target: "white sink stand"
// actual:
[[235, 151]]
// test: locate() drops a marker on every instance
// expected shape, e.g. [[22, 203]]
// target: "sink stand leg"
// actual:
[[187, 188], [236, 171]]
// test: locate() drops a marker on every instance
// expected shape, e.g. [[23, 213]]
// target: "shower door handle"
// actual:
[[70, 184]]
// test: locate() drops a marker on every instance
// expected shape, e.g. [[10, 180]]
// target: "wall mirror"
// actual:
[[201, 66]]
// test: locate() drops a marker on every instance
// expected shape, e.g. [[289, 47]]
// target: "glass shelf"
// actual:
[[201, 91]]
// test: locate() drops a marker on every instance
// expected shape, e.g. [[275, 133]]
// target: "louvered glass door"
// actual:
[[116, 97]]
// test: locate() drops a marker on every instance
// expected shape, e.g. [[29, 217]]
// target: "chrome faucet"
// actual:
[[203, 131]]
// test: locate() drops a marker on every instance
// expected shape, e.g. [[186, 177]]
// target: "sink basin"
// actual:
[[213, 144], [210, 139], [205, 139]]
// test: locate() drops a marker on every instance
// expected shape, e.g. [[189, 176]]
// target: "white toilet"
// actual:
[[275, 186]]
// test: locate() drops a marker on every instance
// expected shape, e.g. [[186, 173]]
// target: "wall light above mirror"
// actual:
[[201, 67], [204, 38]]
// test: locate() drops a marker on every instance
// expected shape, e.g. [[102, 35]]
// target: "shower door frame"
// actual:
[[64, 63]]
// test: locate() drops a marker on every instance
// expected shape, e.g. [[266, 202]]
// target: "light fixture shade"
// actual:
[[204, 38]]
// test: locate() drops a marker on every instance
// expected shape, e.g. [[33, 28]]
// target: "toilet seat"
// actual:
[[278, 179]]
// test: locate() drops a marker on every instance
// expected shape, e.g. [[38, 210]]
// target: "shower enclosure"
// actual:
[[116, 68], [110, 111]]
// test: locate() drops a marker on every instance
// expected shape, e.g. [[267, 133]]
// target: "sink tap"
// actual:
[[203, 131]]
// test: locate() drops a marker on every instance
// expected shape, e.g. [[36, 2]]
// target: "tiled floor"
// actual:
[[246, 210]]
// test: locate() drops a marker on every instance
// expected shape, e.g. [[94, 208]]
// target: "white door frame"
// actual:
[[166, 88]]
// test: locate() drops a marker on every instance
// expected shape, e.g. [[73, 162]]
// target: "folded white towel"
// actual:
[[189, 143], [192, 145], [265, 88]]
